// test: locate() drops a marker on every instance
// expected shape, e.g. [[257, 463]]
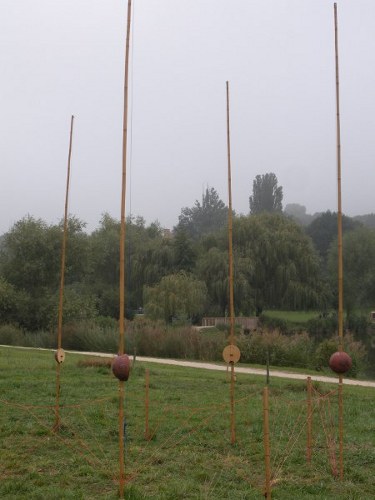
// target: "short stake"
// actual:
[[147, 402], [266, 439], [309, 421]]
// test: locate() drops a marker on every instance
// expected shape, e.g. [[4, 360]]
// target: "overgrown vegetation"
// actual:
[[189, 454], [156, 339]]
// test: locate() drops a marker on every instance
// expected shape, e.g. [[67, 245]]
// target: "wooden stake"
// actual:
[[309, 421], [147, 402], [62, 277], [266, 441], [340, 251], [341, 428], [231, 294]]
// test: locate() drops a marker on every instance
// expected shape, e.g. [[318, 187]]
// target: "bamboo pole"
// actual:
[[309, 421], [147, 405], [339, 197], [340, 250], [231, 293], [122, 255], [341, 428], [62, 278], [266, 442]]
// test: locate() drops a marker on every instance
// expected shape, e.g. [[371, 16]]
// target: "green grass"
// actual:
[[189, 455], [297, 317]]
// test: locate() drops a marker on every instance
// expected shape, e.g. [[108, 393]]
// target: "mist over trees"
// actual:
[[299, 214], [204, 217], [279, 263], [323, 230]]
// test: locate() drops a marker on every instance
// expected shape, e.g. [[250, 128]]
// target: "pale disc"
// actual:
[[60, 355], [231, 354]]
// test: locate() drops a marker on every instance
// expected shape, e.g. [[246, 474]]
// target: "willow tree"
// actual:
[[359, 268], [30, 262], [148, 257], [212, 268], [282, 266], [177, 296]]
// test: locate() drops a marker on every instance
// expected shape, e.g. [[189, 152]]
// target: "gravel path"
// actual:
[[222, 367]]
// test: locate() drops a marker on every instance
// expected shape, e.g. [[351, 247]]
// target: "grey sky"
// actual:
[[66, 57]]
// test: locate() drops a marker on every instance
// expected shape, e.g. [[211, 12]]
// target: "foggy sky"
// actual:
[[60, 58]]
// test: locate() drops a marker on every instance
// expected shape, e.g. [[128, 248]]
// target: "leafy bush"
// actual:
[[323, 327], [355, 349], [274, 323], [11, 335], [294, 350], [89, 336]]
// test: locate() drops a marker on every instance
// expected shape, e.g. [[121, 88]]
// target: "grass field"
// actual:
[[189, 455], [293, 316]]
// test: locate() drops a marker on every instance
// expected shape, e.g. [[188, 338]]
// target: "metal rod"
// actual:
[[62, 278], [266, 442], [231, 294]]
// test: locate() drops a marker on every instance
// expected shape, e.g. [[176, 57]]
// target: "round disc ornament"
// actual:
[[121, 367], [340, 362], [60, 355], [231, 354]]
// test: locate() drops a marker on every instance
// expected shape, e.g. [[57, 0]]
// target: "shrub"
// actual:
[[89, 336], [274, 323], [283, 350], [355, 349], [11, 335], [323, 327]]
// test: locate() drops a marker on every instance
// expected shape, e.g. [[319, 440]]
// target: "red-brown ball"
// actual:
[[340, 362], [121, 367]]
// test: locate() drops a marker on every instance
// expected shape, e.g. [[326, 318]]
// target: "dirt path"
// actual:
[[222, 367]]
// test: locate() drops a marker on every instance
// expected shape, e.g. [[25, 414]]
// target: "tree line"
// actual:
[[183, 274]]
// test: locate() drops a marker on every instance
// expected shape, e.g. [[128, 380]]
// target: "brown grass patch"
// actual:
[[95, 363]]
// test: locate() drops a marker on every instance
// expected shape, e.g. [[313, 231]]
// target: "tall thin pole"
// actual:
[[339, 198], [62, 278], [231, 294], [266, 443], [123, 187], [309, 421], [340, 252], [147, 404], [122, 256]]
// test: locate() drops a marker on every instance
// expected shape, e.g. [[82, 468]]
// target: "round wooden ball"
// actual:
[[340, 362], [121, 367]]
